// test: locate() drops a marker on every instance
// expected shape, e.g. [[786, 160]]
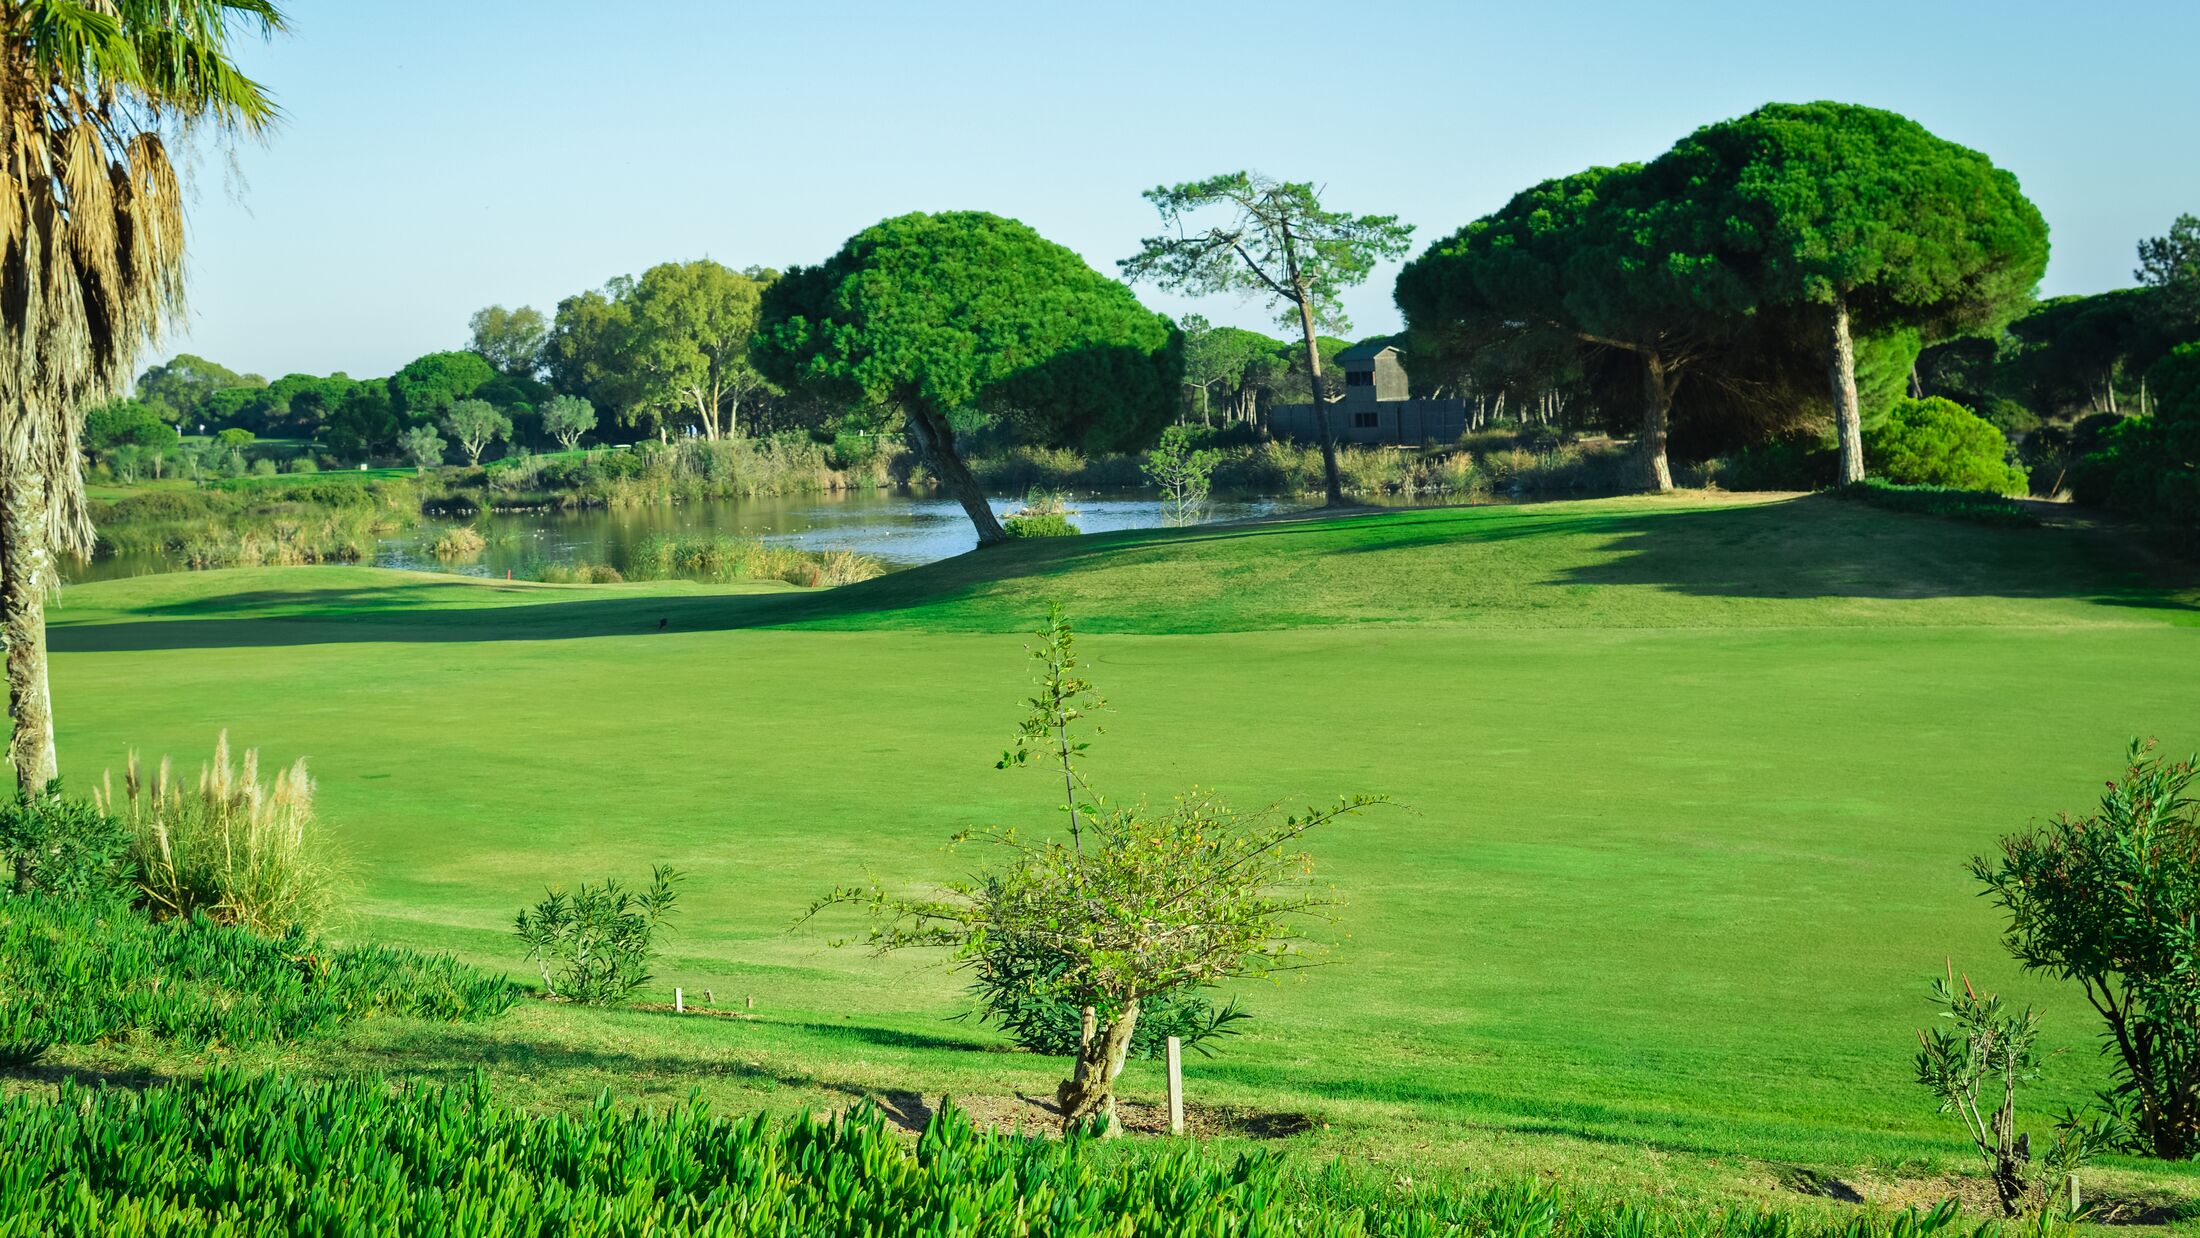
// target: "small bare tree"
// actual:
[[1974, 1060], [1140, 900], [1183, 474]]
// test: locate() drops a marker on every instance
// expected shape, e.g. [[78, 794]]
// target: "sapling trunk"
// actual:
[[1089, 1092]]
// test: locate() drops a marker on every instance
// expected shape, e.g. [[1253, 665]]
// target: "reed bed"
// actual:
[[726, 559]]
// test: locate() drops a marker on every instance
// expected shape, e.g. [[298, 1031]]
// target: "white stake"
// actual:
[[679, 1001], [1176, 1086]]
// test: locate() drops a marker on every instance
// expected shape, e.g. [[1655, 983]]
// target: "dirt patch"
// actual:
[[1033, 1115], [1975, 1196], [708, 1012]]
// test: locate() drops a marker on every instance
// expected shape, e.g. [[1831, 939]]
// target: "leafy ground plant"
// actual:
[[66, 849], [81, 974], [594, 946], [245, 1154], [1140, 901]]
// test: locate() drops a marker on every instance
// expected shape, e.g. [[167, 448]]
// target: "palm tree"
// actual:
[[92, 95]]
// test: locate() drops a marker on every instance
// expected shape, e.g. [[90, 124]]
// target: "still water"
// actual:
[[898, 527]]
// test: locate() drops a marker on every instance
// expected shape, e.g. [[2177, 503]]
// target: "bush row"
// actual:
[[720, 560], [1467, 471], [1976, 506], [652, 473], [232, 1154]]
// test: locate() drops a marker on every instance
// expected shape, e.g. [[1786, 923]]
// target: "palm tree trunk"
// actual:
[[935, 441], [26, 573], [1848, 415]]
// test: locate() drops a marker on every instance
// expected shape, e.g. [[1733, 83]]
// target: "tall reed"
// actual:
[[233, 848]]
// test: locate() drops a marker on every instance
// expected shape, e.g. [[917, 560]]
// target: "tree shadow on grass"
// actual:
[[391, 613], [1821, 547], [1810, 547]]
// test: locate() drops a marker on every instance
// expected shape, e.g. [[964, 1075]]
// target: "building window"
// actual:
[[1366, 421], [1358, 378]]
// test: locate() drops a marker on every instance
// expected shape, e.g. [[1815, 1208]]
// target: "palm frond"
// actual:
[[91, 209]]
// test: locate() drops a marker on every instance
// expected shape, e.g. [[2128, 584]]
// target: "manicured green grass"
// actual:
[[1688, 785]]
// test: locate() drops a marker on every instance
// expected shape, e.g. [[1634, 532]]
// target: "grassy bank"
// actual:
[[1689, 784]]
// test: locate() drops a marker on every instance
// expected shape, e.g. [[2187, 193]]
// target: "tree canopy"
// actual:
[[1863, 221], [1607, 258], [428, 386], [2170, 264], [1821, 230], [969, 313], [686, 340], [182, 383], [510, 340]]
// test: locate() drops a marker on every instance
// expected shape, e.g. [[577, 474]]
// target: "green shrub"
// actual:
[[1045, 513], [232, 848], [1938, 442], [1783, 464], [581, 574], [65, 848], [594, 945], [1016, 524], [2110, 900], [236, 1154], [461, 541], [2149, 467], [1976, 506], [303, 464], [80, 974]]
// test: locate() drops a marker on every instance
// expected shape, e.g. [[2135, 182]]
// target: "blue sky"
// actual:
[[440, 157]]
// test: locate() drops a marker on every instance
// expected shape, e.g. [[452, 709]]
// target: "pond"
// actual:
[[901, 528]]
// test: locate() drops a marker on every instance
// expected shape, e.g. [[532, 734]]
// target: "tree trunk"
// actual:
[[1321, 410], [26, 573], [1848, 414], [1657, 413], [1090, 1090], [935, 441]]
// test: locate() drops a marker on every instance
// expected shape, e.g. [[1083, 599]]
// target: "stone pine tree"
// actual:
[[1606, 258], [965, 317], [1854, 219], [1246, 233], [92, 97]]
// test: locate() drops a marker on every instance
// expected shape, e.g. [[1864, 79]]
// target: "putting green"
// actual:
[[1687, 784]]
